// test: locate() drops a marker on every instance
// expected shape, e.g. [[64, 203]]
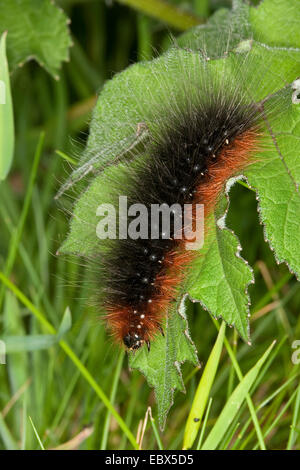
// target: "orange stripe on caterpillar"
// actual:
[[135, 326]]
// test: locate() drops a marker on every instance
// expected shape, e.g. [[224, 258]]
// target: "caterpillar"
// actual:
[[211, 129], [203, 143]]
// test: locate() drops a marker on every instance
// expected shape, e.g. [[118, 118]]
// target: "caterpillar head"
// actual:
[[133, 341]]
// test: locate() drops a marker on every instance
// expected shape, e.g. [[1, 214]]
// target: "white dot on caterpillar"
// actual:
[[226, 141], [135, 312], [142, 316], [150, 301], [139, 326]]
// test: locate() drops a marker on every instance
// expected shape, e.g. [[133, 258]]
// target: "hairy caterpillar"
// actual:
[[189, 164], [206, 131]]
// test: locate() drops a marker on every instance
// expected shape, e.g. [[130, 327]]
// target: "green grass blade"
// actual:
[[228, 438], [18, 344], [248, 398], [293, 434], [22, 343], [84, 372], [262, 405], [24, 427], [232, 372], [233, 404], [7, 135], [112, 399], [268, 296], [204, 424], [66, 323], [36, 433], [165, 12], [6, 436], [203, 390], [144, 38], [278, 418], [202, 7], [67, 395], [156, 433], [66, 157]]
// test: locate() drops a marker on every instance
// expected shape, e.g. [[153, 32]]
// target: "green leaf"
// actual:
[[233, 404], [7, 137], [140, 98], [37, 29], [169, 351], [130, 103], [127, 102], [277, 22]]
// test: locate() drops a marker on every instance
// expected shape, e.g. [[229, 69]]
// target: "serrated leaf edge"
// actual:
[[180, 310], [220, 225]]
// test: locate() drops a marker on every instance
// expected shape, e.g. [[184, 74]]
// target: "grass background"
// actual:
[[45, 398]]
